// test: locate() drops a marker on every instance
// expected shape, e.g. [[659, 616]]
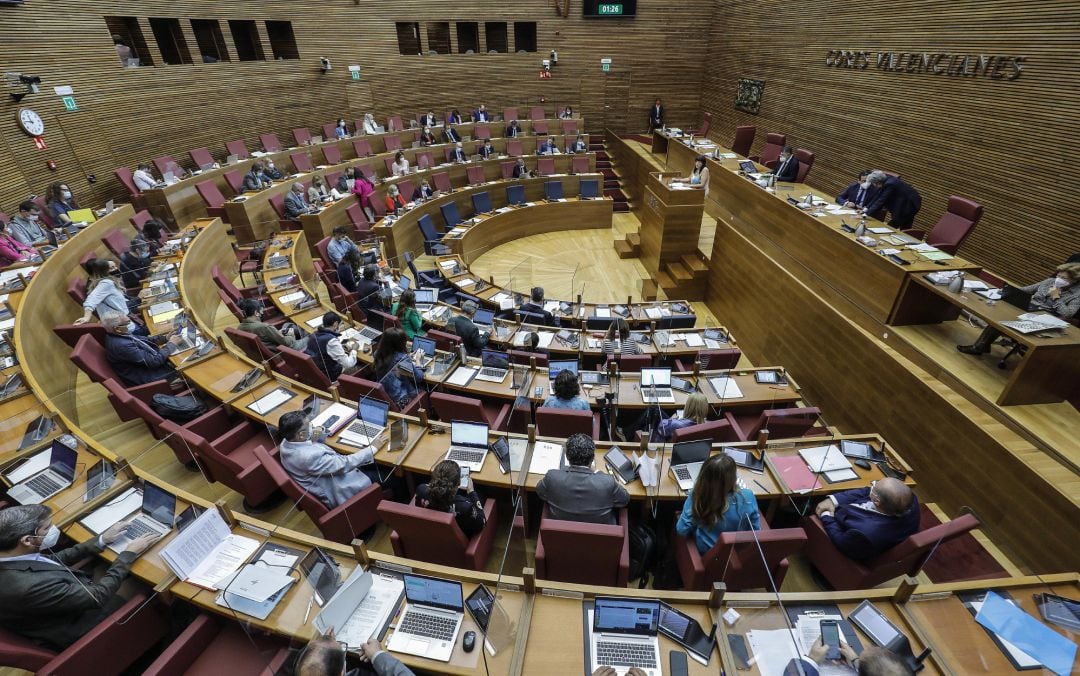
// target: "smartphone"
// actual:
[[830, 636], [464, 478], [677, 664]]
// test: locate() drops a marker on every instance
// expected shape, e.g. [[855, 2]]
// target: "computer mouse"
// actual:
[[862, 462], [469, 641]]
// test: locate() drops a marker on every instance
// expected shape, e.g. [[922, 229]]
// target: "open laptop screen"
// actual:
[[468, 434], [430, 591], [660, 377], [159, 504], [62, 460], [747, 166], [425, 344], [373, 411], [625, 616], [425, 296], [556, 367], [484, 317], [686, 452]]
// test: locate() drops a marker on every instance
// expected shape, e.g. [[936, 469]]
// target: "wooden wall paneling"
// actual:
[[947, 135], [961, 456], [13, 186]]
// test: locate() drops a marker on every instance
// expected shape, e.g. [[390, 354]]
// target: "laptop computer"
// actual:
[[428, 346], [687, 457], [468, 444], [656, 386], [430, 624], [156, 517], [369, 424], [555, 367], [494, 366], [56, 477], [425, 298], [99, 478], [623, 635], [232, 159], [747, 166]]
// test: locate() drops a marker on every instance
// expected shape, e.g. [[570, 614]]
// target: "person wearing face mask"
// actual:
[[330, 476], [340, 130], [272, 338], [325, 656], [857, 194], [520, 170], [394, 199], [12, 250], [143, 178], [787, 166], [295, 204], [25, 227], [429, 119], [370, 126], [487, 151], [135, 359], [512, 130], [60, 203], [272, 172], [135, 264], [450, 134], [340, 244], [400, 166], [427, 138], [481, 114], [103, 292], [579, 145], [575, 492], [256, 179], [423, 191], [1059, 295], [331, 354], [363, 188], [458, 153], [548, 147], [895, 196], [41, 598]]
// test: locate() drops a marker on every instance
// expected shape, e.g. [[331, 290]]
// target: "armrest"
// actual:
[[186, 648], [277, 664], [479, 548], [420, 400], [624, 557], [500, 419], [118, 640], [146, 392], [210, 425], [354, 516], [595, 425], [688, 560], [233, 437], [735, 426], [916, 233]]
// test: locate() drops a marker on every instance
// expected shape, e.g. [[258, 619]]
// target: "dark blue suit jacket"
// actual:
[[900, 199], [136, 361], [787, 172], [851, 194], [862, 534]]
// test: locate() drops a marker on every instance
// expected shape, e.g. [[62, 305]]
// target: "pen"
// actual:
[[761, 486], [307, 613]]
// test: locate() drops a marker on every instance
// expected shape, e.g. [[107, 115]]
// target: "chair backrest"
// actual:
[[427, 227], [579, 164], [582, 553], [706, 125], [235, 179], [537, 113], [125, 176], [425, 534], [387, 320], [140, 218], [164, 164], [368, 170], [774, 143], [225, 284], [522, 357], [908, 557], [424, 160], [507, 169], [89, 355], [328, 277], [727, 358], [249, 343], [77, 289], [395, 123], [514, 148], [454, 407], [515, 194], [714, 430], [569, 127], [270, 142], [301, 367], [785, 423], [481, 202], [447, 342], [589, 187], [392, 142], [540, 127], [277, 201], [546, 166], [737, 561], [357, 217], [557, 422], [201, 157], [311, 505], [633, 363], [389, 162], [230, 304], [744, 139], [356, 388], [116, 242], [482, 132], [677, 321], [329, 130], [71, 333], [362, 146], [510, 114], [322, 247], [806, 160], [332, 154], [406, 188], [303, 135], [210, 194], [238, 148], [302, 161], [956, 223], [450, 214], [441, 180], [22, 653], [553, 190]]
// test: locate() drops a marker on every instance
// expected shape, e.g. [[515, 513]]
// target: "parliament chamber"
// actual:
[[561, 338]]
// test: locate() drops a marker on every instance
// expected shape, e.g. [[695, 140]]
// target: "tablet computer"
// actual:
[[1059, 610], [686, 631], [479, 603], [322, 573]]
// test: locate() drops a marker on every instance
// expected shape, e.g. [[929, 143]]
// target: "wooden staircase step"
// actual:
[[694, 263], [634, 238], [664, 281], [678, 272], [648, 290], [624, 249]]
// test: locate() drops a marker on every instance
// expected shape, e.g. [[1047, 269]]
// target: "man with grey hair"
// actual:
[[464, 327], [296, 204], [864, 522], [43, 599], [895, 196], [135, 359]]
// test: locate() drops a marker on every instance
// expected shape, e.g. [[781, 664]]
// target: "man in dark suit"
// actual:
[[481, 114], [464, 327], [458, 153], [428, 120], [536, 306], [43, 599], [857, 194], [865, 522], [450, 134], [656, 115], [520, 170], [548, 147], [512, 129], [256, 179], [895, 196], [576, 492], [578, 146], [787, 166], [135, 359], [487, 151], [295, 204]]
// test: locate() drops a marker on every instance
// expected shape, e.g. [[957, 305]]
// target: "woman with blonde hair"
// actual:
[[695, 412]]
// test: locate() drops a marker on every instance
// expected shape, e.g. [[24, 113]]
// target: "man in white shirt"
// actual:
[[143, 178], [332, 477]]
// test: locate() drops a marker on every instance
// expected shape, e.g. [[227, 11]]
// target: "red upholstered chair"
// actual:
[[395, 123], [347, 303], [302, 368], [302, 161], [71, 333], [165, 164], [387, 320], [441, 180], [406, 187], [389, 162], [111, 647], [303, 136], [116, 242], [710, 360], [736, 560], [540, 128], [718, 431], [358, 218], [555, 422], [235, 179], [744, 139], [424, 160], [475, 174], [369, 170], [201, 157], [706, 125], [513, 148], [213, 645], [569, 127], [537, 113], [522, 357], [444, 340], [226, 285], [252, 346], [545, 165], [215, 201], [906, 558], [89, 355], [331, 154], [428, 535], [324, 252], [341, 524], [356, 388], [507, 169], [238, 148], [328, 277], [278, 203], [583, 553], [954, 226], [453, 407], [392, 143], [140, 218], [124, 175], [782, 423], [270, 143], [133, 403], [362, 147], [482, 132], [774, 143], [806, 160], [329, 131], [579, 164], [633, 363], [510, 114], [76, 289]]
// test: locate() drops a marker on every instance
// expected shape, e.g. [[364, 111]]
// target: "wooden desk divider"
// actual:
[[716, 595], [360, 552]]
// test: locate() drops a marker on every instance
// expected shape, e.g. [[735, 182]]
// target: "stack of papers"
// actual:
[[356, 623], [602, 313], [824, 458], [466, 281], [1044, 319], [726, 387], [207, 553], [1029, 642], [447, 265], [254, 590], [692, 339], [545, 456], [461, 376], [103, 518]]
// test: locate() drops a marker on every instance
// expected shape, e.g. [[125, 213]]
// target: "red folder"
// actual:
[[795, 474]]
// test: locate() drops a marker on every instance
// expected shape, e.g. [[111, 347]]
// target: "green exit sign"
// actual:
[[610, 9]]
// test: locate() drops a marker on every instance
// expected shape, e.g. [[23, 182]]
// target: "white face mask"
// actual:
[[51, 537], [1060, 282], [865, 185], [270, 165], [66, 194], [34, 218]]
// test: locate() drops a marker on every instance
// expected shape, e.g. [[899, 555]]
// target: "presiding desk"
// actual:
[[812, 236], [1049, 364]]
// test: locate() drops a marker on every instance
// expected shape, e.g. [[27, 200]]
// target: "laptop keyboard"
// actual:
[[430, 626], [369, 333], [466, 455], [625, 654], [44, 485], [493, 372], [681, 473], [364, 429], [137, 529]]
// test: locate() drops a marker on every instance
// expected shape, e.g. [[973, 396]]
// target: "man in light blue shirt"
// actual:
[[340, 244], [25, 227], [330, 476], [567, 393]]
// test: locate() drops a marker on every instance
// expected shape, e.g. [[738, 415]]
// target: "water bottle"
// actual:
[[860, 229], [956, 284]]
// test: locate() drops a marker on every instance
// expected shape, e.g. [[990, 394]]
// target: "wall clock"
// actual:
[[30, 122]]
